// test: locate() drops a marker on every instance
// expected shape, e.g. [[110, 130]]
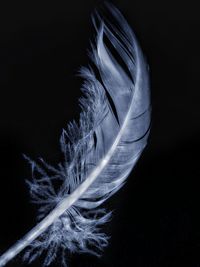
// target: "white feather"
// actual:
[[99, 153]]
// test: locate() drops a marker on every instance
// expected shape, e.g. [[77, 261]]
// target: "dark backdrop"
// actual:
[[156, 218]]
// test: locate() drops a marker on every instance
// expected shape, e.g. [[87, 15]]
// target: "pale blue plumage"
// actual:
[[98, 153]]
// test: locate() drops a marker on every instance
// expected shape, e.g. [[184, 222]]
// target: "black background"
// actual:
[[156, 218]]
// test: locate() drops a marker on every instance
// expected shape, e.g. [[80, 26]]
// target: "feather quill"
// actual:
[[98, 153]]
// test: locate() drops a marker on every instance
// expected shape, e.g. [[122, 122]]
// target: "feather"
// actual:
[[99, 152]]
